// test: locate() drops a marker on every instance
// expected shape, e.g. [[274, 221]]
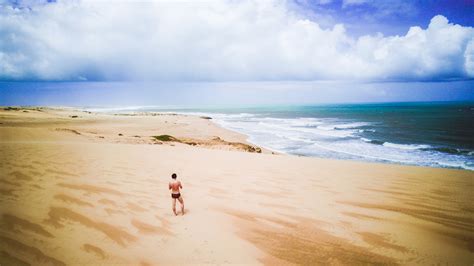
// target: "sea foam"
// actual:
[[333, 138]]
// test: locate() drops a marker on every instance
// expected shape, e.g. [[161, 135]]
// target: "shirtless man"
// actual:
[[174, 186]]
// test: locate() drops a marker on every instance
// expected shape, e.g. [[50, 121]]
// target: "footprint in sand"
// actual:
[[69, 199], [95, 250], [107, 202], [20, 176], [91, 188], [145, 228], [135, 207]]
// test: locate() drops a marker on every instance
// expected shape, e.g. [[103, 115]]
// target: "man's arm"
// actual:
[[180, 186], [169, 185]]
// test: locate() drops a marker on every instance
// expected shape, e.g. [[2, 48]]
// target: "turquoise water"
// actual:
[[427, 134]]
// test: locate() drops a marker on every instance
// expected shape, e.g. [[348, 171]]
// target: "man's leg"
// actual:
[[182, 205], [173, 200]]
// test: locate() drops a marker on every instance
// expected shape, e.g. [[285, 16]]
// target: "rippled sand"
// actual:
[[69, 196]]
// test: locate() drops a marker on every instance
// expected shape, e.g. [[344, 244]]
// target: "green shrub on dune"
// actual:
[[166, 138]]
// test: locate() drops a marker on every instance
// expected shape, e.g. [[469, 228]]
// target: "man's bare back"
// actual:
[[175, 187]]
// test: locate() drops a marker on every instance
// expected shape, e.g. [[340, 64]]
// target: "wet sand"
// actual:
[[92, 189]]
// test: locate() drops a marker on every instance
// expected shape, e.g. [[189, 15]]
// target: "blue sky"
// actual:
[[390, 17], [361, 48]]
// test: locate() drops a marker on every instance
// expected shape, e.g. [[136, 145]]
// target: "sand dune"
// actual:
[[72, 197]]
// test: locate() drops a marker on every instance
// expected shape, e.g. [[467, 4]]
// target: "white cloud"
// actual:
[[216, 40]]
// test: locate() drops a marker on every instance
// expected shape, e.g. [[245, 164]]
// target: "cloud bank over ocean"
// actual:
[[217, 41]]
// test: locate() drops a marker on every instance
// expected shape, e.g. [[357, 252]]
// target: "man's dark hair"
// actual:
[[173, 176]]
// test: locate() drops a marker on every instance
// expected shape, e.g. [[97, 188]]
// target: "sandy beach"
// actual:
[[84, 188]]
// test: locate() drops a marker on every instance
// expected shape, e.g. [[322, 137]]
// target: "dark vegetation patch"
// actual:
[[166, 138], [214, 142], [9, 108]]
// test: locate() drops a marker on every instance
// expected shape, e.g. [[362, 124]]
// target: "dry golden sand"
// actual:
[[73, 191]]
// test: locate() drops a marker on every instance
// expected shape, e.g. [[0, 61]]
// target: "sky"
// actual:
[[390, 17], [323, 50], [231, 94]]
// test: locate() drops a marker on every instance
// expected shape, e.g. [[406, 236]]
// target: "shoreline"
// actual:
[[76, 180], [235, 136], [274, 151]]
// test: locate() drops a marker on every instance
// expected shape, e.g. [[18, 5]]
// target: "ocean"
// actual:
[[435, 134]]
